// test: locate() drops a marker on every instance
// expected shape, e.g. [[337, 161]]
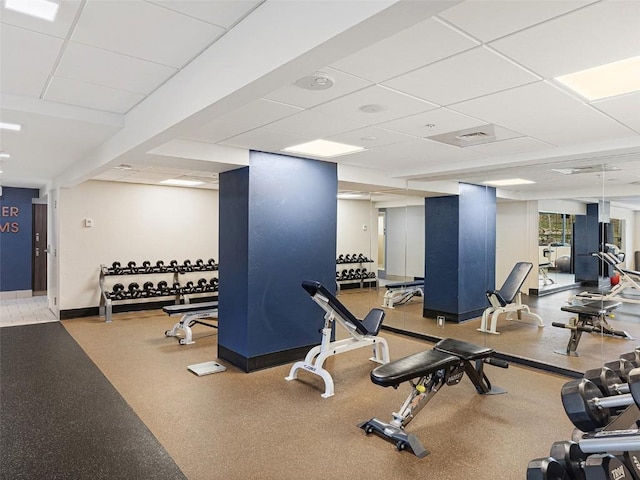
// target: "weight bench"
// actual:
[[629, 279], [592, 318], [362, 334], [508, 299], [401, 293], [427, 372], [191, 314]]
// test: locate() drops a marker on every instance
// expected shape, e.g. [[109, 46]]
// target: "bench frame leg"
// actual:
[[185, 324]]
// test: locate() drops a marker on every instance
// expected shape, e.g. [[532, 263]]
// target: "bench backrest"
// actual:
[[313, 288], [515, 280]]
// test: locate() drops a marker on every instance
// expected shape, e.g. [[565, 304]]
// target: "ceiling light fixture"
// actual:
[[373, 108], [606, 80], [181, 183], [5, 155], [10, 126], [43, 9], [123, 166], [323, 148], [508, 182]]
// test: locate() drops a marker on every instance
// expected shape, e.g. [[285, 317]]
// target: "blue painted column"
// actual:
[[586, 239], [278, 221], [460, 253], [16, 229]]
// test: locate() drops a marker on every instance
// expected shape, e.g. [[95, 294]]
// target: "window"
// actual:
[[554, 228]]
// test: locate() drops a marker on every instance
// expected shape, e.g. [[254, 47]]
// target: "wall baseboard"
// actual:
[[126, 307], [251, 364]]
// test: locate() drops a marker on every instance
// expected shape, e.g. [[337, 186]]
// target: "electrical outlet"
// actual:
[[440, 320]]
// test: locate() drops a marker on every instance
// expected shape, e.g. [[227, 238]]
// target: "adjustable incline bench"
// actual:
[[401, 293], [192, 313], [508, 299], [592, 318], [427, 372], [629, 279], [363, 333]]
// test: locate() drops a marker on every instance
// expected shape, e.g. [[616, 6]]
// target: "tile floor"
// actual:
[[25, 311]]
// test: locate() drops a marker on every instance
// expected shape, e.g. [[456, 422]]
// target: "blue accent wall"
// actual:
[[16, 229], [278, 221], [460, 245]]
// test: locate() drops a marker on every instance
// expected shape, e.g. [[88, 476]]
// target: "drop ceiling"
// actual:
[[110, 87]]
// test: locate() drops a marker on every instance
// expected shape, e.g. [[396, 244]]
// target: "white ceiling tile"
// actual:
[[442, 119], [253, 115], [294, 95], [112, 175], [219, 12], [409, 158], [72, 92], [595, 35], [491, 19], [59, 28], [315, 124], [109, 69], [510, 146], [467, 75], [370, 137], [414, 47], [265, 140], [396, 105], [542, 111], [144, 30], [625, 109], [25, 69]]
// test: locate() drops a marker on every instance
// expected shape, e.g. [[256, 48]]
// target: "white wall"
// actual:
[[516, 240], [130, 222], [629, 235], [562, 206], [353, 216], [636, 239], [53, 259]]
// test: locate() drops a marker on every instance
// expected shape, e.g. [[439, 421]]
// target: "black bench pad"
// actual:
[[464, 350], [190, 308], [415, 283], [593, 309], [414, 366]]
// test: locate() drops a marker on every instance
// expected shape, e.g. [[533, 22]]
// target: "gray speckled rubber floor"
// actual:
[[60, 418]]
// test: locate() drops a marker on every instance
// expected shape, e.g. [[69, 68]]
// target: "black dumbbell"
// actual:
[[632, 461], [199, 265], [146, 266], [118, 291], [188, 288], [546, 469], [187, 266], [202, 284], [340, 259], [132, 267], [148, 290], [213, 283], [588, 410], [605, 467], [116, 268], [134, 290], [622, 366], [173, 266], [160, 267], [163, 288], [569, 455], [347, 258], [211, 263]]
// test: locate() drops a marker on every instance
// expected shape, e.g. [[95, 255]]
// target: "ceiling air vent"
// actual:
[[586, 169], [468, 136]]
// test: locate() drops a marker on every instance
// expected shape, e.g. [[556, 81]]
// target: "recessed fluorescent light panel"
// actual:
[[606, 80], [323, 148], [176, 182], [10, 126], [508, 182], [43, 9], [5, 155]]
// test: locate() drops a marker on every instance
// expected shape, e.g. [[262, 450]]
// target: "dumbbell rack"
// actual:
[[108, 296], [355, 282]]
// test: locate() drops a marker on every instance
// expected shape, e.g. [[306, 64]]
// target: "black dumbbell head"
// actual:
[[569, 455], [605, 467], [576, 399], [546, 469]]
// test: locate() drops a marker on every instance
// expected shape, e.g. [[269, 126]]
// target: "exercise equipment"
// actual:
[[546, 469], [146, 266], [427, 372], [508, 299], [401, 293], [362, 333], [588, 410], [592, 318], [563, 264], [629, 280], [192, 313], [132, 267]]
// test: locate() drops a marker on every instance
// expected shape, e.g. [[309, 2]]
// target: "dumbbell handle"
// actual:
[[614, 441], [614, 401]]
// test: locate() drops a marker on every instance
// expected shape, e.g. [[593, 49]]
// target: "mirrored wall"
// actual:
[[388, 230]]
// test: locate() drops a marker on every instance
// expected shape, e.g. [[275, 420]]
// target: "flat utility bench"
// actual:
[[427, 372], [401, 293], [363, 333], [592, 318], [192, 313]]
